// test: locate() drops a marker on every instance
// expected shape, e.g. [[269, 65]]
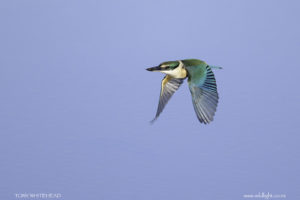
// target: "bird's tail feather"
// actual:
[[215, 67]]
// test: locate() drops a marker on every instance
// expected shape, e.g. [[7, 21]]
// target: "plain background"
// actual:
[[76, 99]]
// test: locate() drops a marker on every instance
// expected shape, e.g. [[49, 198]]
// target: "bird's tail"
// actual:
[[215, 67]]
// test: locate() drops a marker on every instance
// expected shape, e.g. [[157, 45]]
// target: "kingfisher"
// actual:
[[201, 81]]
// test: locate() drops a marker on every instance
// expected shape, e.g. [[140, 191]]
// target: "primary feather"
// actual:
[[204, 93], [169, 86]]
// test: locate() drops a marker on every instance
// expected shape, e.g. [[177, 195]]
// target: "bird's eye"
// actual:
[[167, 67]]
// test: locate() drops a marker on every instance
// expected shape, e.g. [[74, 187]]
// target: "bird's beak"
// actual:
[[151, 69]]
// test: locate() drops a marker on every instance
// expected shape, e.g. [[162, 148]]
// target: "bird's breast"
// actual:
[[178, 72]]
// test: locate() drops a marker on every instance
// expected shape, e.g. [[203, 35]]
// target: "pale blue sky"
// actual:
[[76, 99]]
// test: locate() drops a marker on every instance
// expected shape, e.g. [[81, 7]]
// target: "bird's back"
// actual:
[[196, 69]]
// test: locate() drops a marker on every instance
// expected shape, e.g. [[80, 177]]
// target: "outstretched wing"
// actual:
[[204, 94], [168, 86]]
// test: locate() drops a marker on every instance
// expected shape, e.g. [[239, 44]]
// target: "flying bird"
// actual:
[[202, 85]]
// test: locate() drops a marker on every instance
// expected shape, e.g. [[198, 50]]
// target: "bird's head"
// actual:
[[165, 67]]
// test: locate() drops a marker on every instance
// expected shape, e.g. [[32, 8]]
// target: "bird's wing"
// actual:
[[168, 86], [204, 95]]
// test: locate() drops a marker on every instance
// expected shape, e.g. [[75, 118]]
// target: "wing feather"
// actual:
[[204, 95], [169, 86]]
